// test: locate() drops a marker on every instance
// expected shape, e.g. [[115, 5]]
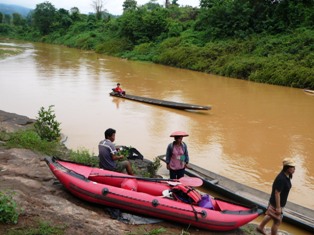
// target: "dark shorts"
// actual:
[[177, 174], [120, 166]]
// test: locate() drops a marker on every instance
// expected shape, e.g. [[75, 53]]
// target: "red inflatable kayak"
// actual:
[[160, 198]]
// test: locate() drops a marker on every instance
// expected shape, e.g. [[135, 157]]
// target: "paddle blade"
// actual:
[[191, 181]]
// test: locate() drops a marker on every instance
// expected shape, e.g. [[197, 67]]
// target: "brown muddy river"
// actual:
[[245, 136]]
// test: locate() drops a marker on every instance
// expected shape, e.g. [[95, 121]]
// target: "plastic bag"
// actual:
[[206, 202]]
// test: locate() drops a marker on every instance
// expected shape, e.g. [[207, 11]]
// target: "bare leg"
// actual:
[[274, 228], [261, 227], [129, 168]]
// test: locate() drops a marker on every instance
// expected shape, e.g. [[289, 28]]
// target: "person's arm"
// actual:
[[114, 154], [117, 157], [186, 154], [277, 199], [168, 155]]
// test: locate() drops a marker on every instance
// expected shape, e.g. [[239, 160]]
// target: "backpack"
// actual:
[[186, 194]]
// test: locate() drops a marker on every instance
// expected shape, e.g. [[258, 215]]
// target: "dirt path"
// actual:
[[41, 198]]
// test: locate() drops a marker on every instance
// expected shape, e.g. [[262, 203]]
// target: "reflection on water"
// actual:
[[245, 136]]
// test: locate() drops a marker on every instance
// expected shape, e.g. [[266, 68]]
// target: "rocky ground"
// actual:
[[41, 199]]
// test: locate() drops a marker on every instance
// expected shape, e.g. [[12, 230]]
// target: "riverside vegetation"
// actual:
[[267, 41]]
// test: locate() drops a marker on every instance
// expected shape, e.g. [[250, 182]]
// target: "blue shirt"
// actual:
[[106, 150]]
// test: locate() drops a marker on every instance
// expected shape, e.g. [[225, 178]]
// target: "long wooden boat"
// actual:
[[147, 196], [294, 214], [169, 104], [309, 91]]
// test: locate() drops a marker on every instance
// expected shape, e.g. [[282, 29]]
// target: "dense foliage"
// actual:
[[268, 41]]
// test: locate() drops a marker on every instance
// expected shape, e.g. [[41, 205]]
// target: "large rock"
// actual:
[[11, 122], [40, 196]]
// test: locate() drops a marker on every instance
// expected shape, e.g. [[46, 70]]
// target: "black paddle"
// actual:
[[190, 181]]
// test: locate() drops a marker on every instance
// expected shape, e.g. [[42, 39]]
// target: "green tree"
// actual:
[[63, 19], [7, 19], [207, 4], [44, 17], [151, 5], [143, 25], [223, 19], [75, 14], [98, 6], [17, 19], [278, 16], [292, 14], [175, 2], [1, 18], [129, 5]]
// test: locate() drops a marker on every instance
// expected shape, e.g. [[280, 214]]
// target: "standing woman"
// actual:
[[177, 156], [279, 196]]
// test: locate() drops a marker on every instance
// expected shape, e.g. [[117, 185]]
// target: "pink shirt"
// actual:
[[177, 161]]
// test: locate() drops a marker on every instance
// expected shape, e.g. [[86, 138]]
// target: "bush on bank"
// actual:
[[9, 212]]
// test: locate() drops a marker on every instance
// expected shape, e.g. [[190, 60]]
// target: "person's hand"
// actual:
[[119, 157], [187, 166], [278, 211], [168, 168]]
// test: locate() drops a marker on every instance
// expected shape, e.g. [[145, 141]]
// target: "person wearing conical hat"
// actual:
[[278, 198], [177, 155]]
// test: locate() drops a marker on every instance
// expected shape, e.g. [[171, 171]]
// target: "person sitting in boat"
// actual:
[[177, 156], [119, 90], [108, 157]]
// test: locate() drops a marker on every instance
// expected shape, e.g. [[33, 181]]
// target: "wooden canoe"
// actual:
[[169, 104], [309, 91], [293, 213]]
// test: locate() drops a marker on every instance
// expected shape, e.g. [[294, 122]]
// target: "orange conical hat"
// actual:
[[178, 133]]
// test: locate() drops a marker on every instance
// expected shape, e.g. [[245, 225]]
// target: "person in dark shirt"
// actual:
[[278, 198], [108, 157]]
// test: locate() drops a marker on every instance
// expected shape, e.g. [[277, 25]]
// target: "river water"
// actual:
[[249, 131]]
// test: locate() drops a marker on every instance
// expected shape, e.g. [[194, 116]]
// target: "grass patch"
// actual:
[[29, 139], [42, 228], [143, 230], [83, 156]]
